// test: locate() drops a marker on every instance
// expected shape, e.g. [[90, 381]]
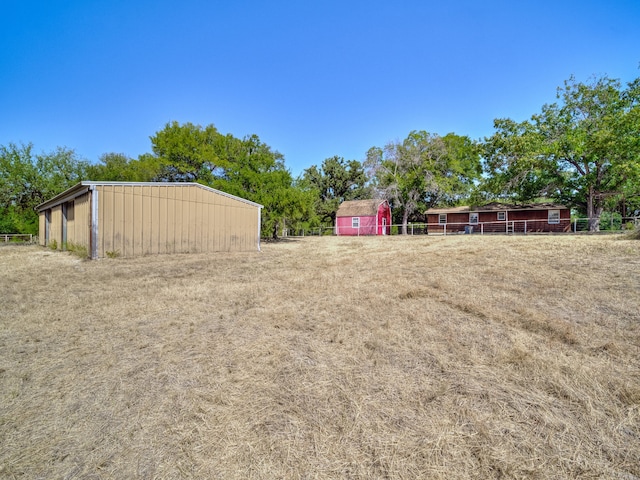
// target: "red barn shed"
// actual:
[[500, 218], [363, 217]]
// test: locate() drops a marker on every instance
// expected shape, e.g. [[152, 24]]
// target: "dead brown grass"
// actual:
[[420, 357]]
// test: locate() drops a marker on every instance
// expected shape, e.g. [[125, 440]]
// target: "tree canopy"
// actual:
[[245, 167], [424, 170], [334, 182], [583, 150], [28, 179]]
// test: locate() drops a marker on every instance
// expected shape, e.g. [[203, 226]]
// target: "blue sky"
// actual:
[[312, 79]]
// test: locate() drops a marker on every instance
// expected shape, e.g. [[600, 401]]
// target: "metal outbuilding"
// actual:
[[133, 219]]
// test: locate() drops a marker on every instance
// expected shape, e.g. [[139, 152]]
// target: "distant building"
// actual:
[[500, 218], [363, 217], [132, 219]]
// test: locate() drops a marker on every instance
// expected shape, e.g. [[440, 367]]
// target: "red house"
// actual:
[[363, 217], [500, 218]]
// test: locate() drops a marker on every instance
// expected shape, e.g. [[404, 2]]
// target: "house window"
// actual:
[[502, 216], [473, 218], [554, 216], [355, 222], [442, 218]]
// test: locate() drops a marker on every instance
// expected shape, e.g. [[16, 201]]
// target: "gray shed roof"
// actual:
[[355, 208], [499, 207]]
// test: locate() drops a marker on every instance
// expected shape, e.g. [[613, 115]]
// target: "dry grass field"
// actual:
[[420, 357]]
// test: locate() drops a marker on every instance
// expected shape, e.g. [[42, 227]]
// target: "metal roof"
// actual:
[[354, 208], [86, 185], [499, 207]]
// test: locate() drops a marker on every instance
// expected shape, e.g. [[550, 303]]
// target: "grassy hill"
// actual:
[[419, 357]]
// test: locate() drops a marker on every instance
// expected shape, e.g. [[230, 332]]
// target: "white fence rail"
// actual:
[[522, 227], [17, 238]]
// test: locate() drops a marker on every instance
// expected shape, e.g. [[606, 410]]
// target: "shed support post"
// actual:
[[259, 226]]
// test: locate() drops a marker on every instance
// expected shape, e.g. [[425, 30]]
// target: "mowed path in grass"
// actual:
[[398, 357]]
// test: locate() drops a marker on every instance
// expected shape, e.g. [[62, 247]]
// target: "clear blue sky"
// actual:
[[312, 79]]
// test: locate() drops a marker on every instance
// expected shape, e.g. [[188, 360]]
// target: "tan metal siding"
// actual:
[[106, 221], [140, 220], [163, 225], [133, 197], [42, 225], [55, 228], [191, 218], [120, 226], [78, 230]]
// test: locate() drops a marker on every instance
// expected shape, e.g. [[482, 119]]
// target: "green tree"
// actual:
[[117, 167], [424, 170], [334, 182], [189, 153], [256, 172], [28, 179], [580, 151], [244, 167]]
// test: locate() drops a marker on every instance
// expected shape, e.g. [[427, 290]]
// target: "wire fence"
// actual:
[[17, 238], [612, 223]]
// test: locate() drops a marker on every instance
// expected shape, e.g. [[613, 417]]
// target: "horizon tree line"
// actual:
[[583, 151]]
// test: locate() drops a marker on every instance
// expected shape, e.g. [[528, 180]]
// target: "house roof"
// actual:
[[499, 207], [355, 208], [84, 186], [463, 209]]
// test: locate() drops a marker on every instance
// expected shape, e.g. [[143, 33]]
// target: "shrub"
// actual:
[[79, 250], [610, 221]]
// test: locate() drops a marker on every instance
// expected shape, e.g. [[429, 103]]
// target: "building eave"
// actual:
[[84, 186]]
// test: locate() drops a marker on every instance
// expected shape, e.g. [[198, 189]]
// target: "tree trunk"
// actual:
[[405, 220], [594, 210]]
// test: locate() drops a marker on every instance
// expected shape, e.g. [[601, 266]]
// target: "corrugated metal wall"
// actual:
[[42, 228], [78, 221], [76, 224], [55, 227], [139, 220]]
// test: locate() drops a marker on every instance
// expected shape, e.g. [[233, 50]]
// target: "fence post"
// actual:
[[525, 227]]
